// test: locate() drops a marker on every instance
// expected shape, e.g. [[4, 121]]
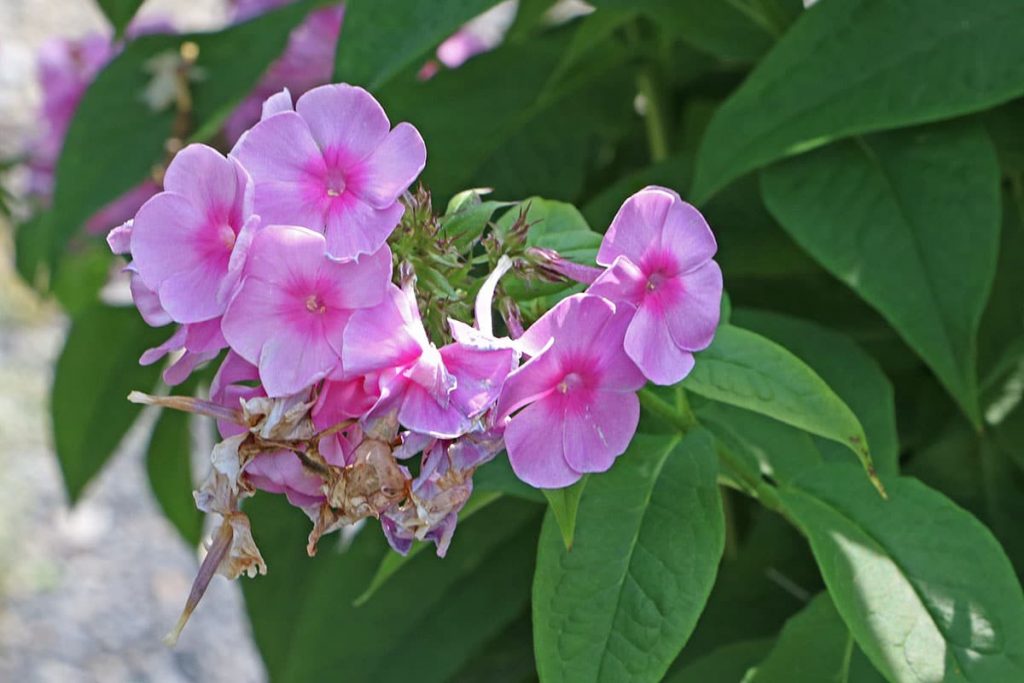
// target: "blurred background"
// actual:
[[87, 594]]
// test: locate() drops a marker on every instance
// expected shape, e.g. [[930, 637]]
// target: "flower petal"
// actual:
[[597, 433], [391, 168], [354, 227], [288, 170], [693, 320], [687, 236], [534, 444], [345, 120], [637, 226], [650, 345]]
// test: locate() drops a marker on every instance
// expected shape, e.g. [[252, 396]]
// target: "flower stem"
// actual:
[[684, 421], [654, 114]]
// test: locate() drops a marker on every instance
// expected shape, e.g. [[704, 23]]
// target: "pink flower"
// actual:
[[187, 242], [576, 398], [236, 380], [201, 342], [333, 165], [659, 251], [294, 302], [432, 391]]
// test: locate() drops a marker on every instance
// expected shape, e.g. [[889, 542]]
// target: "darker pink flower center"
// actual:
[[315, 305], [334, 182]]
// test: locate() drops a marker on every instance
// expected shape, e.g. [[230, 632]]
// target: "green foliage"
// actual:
[[119, 12], [910, 221], [623, 601], [435, 617], [169, 467], [851, 66], [378, 42], [90, 412], [925, 588], [746, 370], [565, 504]]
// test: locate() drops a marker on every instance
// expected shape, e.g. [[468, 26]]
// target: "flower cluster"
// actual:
[[281, 253]]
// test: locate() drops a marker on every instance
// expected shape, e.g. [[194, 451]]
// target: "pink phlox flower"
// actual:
[[188, 243], [335, 165], [290, 312], [433, 391], [659, 253], [200, 343], [573, 405]]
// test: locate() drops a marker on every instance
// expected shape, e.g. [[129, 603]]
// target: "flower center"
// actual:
[[654, 281], [314, 305], [570, 382], [226, 236], [335, 183]]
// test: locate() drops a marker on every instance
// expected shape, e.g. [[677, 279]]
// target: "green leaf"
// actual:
[[731, 31], [500, 134], [382, 37], [854, 375], [564, 504], [119, 13], [508, 658], [433, 617], [498, 476], [169, 466], [116, 138], [553, 225], [814, 646], [649, 536], [392, 562], [97, 368], [468, 216], [728, 663], [746, 370], [926, 590], [851, 66], [910, 221]]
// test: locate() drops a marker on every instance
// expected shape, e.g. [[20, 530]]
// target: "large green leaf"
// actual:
[[910, 221], [119, 12], [97, 368], [392, 562], [432, 618], [926, 590], [854, 375], [746, 370], [116, 137], [649, 535], [169, 466], [815, 646], [499, 133], [852, 66], [383, 37]]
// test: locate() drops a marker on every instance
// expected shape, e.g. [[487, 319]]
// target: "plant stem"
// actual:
[[684, 422], [654, 114]]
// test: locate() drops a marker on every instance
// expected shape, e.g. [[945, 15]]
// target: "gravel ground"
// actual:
[[86, 594]]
